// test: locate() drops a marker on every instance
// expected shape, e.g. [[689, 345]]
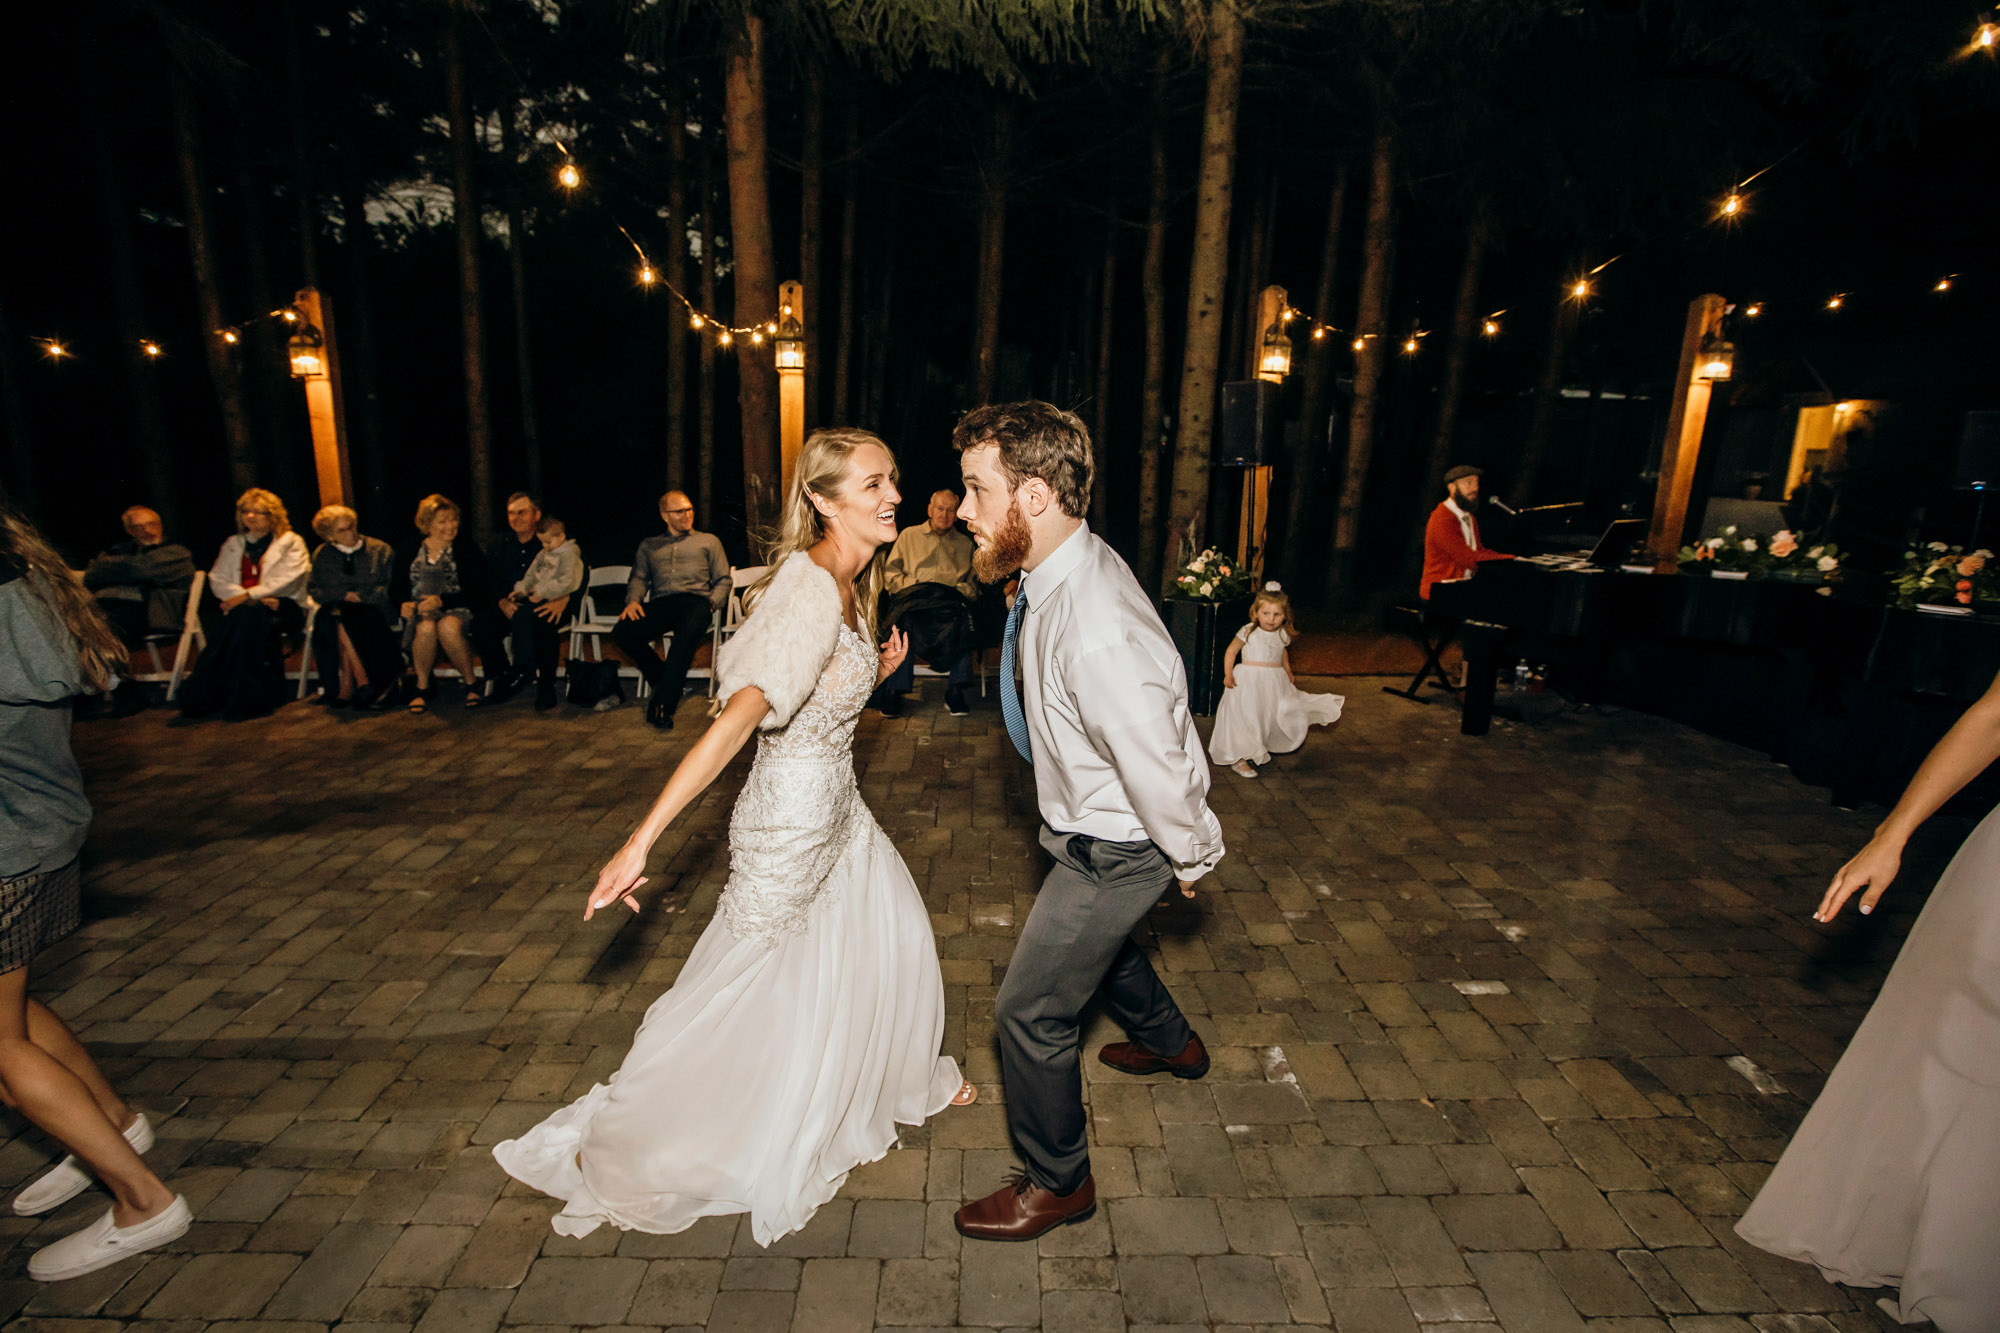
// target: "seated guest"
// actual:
[[141, 586], [1452, 552], [928, 592], [357, 658], [259, 587], [507, 559], [679, 580], [541, 597], [439, 581]]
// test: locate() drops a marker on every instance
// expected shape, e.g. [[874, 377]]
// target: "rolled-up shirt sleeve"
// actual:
[[1128, 709]]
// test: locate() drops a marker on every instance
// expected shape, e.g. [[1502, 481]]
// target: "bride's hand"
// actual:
[[621, 874], [1872, 868], [893, 653]]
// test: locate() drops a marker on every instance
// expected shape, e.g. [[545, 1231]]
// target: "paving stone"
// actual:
[[887, 1229], [1576, 1207], [1161, 1289], [1496, 1222], [1082, 1312], [1525, 1296], [1596, 1283], [835, 1296], [1242, 1289], [577, 1291], [1260, 1226], [751, 1312], [1000, 1285], [222, 1286], [465, 1310], [680, 1291], [1415, 1242], [1167, 1226], [1715, 1281], [1370, 1310], [1348, 1256], [918, 1292]]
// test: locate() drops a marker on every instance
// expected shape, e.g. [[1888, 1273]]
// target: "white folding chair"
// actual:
[[191, 635], [590, 625], [730, 619]]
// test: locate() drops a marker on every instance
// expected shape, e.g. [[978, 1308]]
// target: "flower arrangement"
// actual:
[[1732, 551], [1805, 564], [1211, 577], [1946, 575]]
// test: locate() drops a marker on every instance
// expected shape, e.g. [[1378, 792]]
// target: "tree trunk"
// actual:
[[1153, 281], [222, 369], [142, 378], [471, 296], [812, 214], [1100, 498], [22, 482], [1257, 268], [360, 369], [1307, 455], [1371, 325], [756, 269], [1451, 383], [992, 256], [264, 346], [705, 419], [1207, 282], [875, 372], [1548, 396], [676, 262], [305, 201], [517, 278], [843, 355]]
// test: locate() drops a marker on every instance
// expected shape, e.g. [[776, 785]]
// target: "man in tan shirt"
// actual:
[[928, 590]]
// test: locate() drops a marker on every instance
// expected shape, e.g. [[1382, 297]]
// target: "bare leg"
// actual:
[[424, 651], [451, 637], [45, 1088]]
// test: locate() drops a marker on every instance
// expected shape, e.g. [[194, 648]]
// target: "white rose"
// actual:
[[1750, 544], [1939, 547], [1207, 588], [1983, 553], [1815, 553], [1786, 535], [1827, 564], [1729, 531], [1713, 543]]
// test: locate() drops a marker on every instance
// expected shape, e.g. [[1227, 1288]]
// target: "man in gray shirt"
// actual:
[[679, 580], [142, 588]]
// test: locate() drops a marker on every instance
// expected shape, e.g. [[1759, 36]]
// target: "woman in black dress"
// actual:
[[356, 656], [440, 581]]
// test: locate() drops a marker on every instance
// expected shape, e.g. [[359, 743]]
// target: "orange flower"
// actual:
[[1965, 595], [1783, 545], [1971, 565], [1965, 585]]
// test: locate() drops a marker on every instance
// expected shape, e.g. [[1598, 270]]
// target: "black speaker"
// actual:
[[1249, 423], [1978, 464]]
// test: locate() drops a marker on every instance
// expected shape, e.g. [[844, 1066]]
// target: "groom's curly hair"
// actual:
[[1035, 439]]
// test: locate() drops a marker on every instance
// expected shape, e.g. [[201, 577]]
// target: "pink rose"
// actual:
[[1783, 545], [1965, 597]]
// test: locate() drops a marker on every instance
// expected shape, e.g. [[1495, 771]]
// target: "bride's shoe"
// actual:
[[967, 1094]]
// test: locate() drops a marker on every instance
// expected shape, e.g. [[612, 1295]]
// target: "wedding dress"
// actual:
[[805, 1024]]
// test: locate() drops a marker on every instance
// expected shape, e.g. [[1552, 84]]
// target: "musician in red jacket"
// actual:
[[1452, 549]]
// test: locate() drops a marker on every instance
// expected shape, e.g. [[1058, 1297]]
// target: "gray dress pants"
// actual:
[[1078, 943]]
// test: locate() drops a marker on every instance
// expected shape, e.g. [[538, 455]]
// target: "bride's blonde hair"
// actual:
[[822, 470]]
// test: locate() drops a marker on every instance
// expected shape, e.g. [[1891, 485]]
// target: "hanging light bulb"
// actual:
[[1732, 205], [1491, 328], [1319, 332], [53, 349], [1754, 310], [1987, 37], [647, 276], [1580, 289], [289, 315], [695, 320], [150, 348], [757, 337], [568, 176], [723, 338], [1836, 302], [1409, 346], [229, 336], [1358, 342], [1944, 284]]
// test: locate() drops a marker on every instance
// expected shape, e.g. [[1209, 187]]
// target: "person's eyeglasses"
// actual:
[[673, 512]]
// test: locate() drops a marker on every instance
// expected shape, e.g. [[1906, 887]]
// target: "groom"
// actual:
[[1122, 782]]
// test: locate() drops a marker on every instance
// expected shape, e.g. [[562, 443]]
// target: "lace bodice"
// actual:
[[799, 808]]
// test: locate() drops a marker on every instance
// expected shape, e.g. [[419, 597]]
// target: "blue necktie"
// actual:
[[1010, 693]]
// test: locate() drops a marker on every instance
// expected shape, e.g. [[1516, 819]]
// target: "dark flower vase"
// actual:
[[1202, 631]]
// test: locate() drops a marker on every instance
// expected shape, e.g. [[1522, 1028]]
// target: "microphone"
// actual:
[[1505, 508]]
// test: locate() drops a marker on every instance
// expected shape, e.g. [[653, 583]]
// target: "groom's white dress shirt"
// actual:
[[1116, 753]]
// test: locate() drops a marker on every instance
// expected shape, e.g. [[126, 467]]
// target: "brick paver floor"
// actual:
[[1505, 1032]]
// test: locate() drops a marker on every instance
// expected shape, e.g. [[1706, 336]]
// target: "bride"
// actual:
[[805, 1024]]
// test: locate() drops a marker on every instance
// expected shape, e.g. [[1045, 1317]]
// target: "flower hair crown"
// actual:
[[1273, 586]]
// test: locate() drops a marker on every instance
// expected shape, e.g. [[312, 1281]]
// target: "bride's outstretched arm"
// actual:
[[709, 756], [1963, 754]]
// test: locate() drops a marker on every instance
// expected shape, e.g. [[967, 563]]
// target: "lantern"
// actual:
[[1276, 361], [791, 353], [1717, 360], [308, 352]]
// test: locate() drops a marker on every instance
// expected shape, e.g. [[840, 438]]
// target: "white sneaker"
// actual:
[[104, 1243], [70, 1177], [1242, 768]]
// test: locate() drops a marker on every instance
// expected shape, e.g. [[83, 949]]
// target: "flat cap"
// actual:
[[1461, 472]]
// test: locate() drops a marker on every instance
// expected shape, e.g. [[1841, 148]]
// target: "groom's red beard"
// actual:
[[1005, 549]]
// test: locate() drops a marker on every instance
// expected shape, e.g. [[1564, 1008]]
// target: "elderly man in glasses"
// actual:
[[679, 579]]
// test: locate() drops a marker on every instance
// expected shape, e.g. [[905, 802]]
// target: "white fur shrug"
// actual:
[[786, 640]]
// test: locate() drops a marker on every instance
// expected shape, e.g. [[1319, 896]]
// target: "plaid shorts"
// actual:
[[36, 910]]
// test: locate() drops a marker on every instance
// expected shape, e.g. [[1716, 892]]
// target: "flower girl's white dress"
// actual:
[[1265, 712], [805, 1024]]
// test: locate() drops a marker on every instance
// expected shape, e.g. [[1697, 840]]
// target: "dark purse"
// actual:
[[588, 684]]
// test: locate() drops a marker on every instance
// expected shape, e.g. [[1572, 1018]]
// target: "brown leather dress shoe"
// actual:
[[1023, 1210], [1129, 1057]]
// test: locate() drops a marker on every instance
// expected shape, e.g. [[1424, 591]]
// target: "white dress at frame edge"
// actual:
[[805, 1024], [1265, 713]]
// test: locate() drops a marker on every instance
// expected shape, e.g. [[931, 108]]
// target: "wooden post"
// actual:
[[791, 389], [1682, 445], [324, 407]]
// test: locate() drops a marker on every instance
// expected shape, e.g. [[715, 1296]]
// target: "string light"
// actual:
[[1836, 302], [288, 315], [53, 349], [1987, 37], [647, 276], [1733, 205], [1580, 289], [1754, 310], [1944, 284], [1409, 346], [1359, 343], [231, 337], [568, 176], [723, 338], [151, 349], [1319, 332], [757, 336], [695, 320]]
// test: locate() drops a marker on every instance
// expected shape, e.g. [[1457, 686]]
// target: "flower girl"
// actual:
[[1262, 709]]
